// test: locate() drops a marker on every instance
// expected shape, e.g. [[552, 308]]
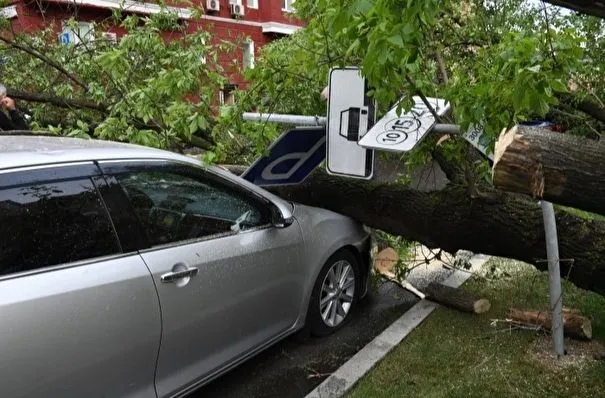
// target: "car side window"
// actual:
[[174, 207], [51, 223]]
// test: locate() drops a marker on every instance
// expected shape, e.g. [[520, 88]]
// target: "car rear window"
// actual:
[[53, 223]]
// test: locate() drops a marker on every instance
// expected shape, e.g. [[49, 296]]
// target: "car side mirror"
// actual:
[[278, 219]]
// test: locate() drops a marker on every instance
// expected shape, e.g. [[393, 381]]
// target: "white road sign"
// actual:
[[401, 133], [479, 140], [350, 114]]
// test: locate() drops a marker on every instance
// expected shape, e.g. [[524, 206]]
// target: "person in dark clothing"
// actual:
[[14, 120]]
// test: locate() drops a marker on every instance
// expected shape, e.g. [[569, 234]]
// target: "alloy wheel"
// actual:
[[337, 293]]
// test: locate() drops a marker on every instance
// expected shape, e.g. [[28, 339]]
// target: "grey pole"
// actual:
[[446, 129], [285, 119], [301, 120], [554, 276]]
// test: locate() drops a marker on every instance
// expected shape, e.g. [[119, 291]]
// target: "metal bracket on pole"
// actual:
[[554, 276]]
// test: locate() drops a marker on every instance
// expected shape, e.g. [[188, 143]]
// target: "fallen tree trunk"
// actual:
[[574, 325], [562, 169], [500, 224], [456, 298]]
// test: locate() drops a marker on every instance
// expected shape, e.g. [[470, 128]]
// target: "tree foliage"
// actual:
[[498, 63], [151, 87]]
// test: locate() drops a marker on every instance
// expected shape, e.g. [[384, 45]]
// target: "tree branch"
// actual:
[[585, 105], [452, 169], [45, 59], [57, 101], [592, 109], [441, 63], [423, 98]]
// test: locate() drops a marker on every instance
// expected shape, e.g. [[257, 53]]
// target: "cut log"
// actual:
[[456, 298], [384, 264], [574, 325], [562, 169]]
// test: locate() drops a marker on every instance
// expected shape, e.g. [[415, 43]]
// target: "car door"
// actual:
[[80, 314], [228, 281]]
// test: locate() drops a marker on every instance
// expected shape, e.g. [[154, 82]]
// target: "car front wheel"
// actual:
[[335, 293]]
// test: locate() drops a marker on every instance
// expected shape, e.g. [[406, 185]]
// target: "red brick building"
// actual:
[[261, 21]]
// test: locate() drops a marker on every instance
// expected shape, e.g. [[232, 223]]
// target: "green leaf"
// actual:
[[558, 86], [396, 39], [193, 126], [202, 122], [363, 6]]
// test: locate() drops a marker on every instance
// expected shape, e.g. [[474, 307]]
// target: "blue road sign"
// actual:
[[290, 159]]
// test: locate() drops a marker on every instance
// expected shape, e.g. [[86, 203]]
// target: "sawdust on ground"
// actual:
[[579, 353]]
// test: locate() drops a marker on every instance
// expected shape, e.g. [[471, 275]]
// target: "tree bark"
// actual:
[[574, 325], [456, 298], [500, 224], [562, 169]]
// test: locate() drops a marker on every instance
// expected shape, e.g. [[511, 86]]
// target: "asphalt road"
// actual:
[[292, 369]]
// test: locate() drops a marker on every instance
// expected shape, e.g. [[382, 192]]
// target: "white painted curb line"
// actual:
[[345, 377]]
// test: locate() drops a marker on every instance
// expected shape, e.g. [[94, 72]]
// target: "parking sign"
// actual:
[[290, 159]]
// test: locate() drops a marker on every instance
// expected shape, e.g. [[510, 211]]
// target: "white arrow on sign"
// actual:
[[401, 133]]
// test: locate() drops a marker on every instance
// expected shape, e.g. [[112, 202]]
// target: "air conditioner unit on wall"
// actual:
[[237, 10], [213, 5]]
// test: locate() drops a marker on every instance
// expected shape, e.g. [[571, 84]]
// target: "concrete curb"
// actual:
[[345, 377]]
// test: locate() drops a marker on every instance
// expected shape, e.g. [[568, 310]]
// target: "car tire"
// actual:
[[331, 304]]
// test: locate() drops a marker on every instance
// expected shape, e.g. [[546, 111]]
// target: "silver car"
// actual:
[[127, 271]]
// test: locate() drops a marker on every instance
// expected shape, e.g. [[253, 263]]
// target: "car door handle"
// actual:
[[176, 275]]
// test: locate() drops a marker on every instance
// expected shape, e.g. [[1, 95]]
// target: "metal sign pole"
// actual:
[[554, 276], [298, 120], [301, 120]]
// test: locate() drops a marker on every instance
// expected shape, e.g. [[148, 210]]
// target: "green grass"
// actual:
[[453, 354]]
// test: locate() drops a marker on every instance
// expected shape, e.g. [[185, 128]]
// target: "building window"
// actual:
[[252, 3], [287, 5], [248, 54], [81, 32], [227, 95]]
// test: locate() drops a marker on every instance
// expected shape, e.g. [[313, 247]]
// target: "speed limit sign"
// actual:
[[402, 133]]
